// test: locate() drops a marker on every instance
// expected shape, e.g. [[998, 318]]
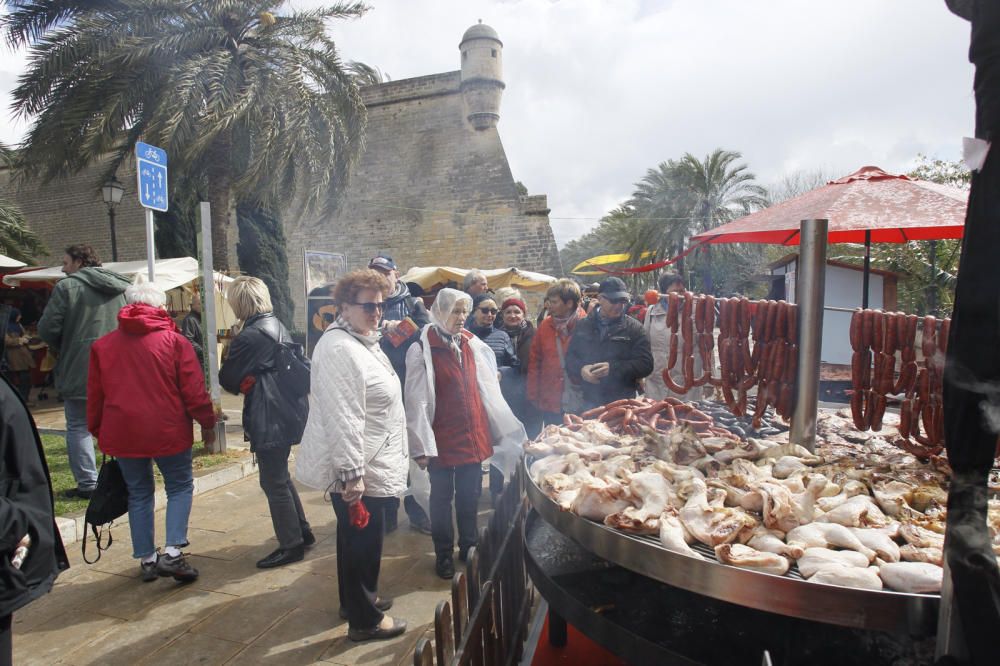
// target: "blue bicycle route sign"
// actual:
[[151, 170]]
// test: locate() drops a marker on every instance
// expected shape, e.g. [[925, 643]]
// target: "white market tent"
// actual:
[[170, 274], [7, 262], [428, 277]]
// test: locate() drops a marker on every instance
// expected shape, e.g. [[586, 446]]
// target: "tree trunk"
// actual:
[[220, 198], [706, 278]]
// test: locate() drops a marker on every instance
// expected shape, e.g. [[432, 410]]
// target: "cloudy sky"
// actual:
[[598, 91]]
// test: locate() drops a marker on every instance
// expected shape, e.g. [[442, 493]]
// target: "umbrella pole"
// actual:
[[868, 268], [810, 288]]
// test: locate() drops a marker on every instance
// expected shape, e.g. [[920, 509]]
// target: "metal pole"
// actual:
[[868, 267], [150, 245], [810, 288], [932, 287], [209, 327], [114, 236]]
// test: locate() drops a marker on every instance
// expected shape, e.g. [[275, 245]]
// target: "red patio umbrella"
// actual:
[[868, 205]]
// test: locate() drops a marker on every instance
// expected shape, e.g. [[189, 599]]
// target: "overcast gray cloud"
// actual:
[[600, 90]]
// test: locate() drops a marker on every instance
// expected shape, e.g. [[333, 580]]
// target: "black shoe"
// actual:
[[391, 521], [463, 554], [377, 633], [308, 538], [282, 557], [382, 603], [176, 567], [445, 567], [78, 493], [422, 526]]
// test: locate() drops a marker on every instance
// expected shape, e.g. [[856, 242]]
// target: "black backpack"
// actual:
[[108, 502], [292, 369]]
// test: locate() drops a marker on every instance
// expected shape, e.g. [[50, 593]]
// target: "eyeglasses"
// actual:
[[618, 301], [491, 311], [371, 308]]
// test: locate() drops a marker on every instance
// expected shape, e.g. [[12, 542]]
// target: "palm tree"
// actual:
[[257, 104], [687, 196], [16, 240]]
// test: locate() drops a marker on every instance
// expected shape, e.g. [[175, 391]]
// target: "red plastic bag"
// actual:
[[359, 515], [247, 384]]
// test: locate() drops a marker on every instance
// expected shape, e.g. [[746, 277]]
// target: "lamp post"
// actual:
[[112, 192]]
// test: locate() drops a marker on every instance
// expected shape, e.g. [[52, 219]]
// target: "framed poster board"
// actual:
[[321, 271]]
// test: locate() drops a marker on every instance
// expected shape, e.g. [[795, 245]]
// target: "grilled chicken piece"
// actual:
[[770, 541], [746, 557], [858, 511], [750, 499], [917, 577], [911, 553], [886, 549], [616, 467], [796, 450], [680, 445], [674, 537], [784, 511], [866, 578], [785, 466], [824, 535], [750, 449], [597, 499], [650, 493], [713, 525], [850, 489], [892, 496]]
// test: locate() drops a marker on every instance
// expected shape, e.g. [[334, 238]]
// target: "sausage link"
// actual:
[[791, 364], [867, 325], [741, 403], [688, 373], [747, 357], [904, 418], [669, 381], [772, 319], [709, 314], [942, 339], [781, 321], [911, 330], [745, 318], [591, 413], [878, 330], [891, 333], [612, 413], [672, 308], [928, 344], [672, 356], [869, 408], [759, 319], [923, 385], [878, 413], [857, 409], [855, 330], [778, 360], [688, 306], [888, 373], [907, 379], [687, 330], [699, 315], [785, 401]]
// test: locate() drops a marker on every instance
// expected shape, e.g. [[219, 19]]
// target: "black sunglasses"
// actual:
[[371, 308], [491, 311]]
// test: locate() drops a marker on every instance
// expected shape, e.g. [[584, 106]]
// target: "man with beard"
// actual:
[[403, 316]]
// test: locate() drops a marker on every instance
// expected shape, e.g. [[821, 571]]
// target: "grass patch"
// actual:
[[62, 476]]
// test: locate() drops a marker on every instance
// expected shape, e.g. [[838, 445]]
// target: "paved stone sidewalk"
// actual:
[[234, 613]]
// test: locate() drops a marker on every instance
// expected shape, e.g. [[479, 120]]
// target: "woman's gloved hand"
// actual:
[[353, 489]]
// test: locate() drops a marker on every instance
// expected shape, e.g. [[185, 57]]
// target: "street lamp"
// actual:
[[112, 192]]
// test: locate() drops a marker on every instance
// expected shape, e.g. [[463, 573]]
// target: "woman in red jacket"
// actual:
[[548, 388], [144, 388]]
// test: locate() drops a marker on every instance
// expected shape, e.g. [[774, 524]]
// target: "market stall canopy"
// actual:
[[7, 262], [894, 209], [604, 260], [428, 277], [170, 273]]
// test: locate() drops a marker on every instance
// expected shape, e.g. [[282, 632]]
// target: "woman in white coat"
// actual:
[[355, 446]]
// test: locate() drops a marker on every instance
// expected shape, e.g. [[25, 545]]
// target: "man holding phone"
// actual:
[[609, 350]]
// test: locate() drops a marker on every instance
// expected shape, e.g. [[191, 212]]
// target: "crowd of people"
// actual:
[[405, 403]]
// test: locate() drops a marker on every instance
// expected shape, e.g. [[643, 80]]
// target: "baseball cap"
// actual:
[[613, 288], [383, 262]]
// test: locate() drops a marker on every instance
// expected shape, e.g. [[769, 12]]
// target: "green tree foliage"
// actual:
[[261, 252], [671, 203], [16, 240], [257, 102]]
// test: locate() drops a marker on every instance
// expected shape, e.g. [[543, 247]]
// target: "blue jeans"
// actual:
[[179, 483], [79, 444]]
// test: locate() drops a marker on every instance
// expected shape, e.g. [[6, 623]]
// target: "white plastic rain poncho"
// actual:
[[506, 430]]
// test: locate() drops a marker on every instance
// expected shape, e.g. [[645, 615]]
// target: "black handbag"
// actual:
[[109, 501]]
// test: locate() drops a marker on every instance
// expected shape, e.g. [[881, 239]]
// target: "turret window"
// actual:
[[465, 55], [493, 52]]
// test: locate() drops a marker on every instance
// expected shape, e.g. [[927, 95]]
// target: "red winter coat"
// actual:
[[145, 386], [460, 426], [545, 375]]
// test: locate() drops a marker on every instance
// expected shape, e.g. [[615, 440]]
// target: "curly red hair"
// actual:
[[348, 286]]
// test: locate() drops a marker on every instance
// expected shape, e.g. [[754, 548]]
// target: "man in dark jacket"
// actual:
[[83, 307], [25, 511], [609, 350], [397, 337], [191, 328]]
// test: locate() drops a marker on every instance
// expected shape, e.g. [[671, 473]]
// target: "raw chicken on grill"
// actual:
[[864, 577], [651, 494], [886, 549], [815, 559], [746, 557], [823, 535], [713, 524], [919, 577], [770, 541], [674, 537], [911, 553], [597, 499]]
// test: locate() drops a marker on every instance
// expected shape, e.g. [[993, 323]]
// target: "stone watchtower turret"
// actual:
[[482, 75]]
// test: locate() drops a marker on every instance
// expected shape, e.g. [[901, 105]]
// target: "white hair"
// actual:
[[472, 276], [146, 292]]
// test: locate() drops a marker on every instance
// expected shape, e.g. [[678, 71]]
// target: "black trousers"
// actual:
[[287, 516], [359, 559], [6, 645], [463, 485]]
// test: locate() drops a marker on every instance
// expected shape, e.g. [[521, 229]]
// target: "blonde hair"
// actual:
[[503, 293], [248, 296]]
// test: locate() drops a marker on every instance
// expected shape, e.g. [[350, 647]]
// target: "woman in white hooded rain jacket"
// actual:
[[355, 446]]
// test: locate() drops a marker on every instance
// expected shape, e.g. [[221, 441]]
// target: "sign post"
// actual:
[[151, 172], [209, 327]]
